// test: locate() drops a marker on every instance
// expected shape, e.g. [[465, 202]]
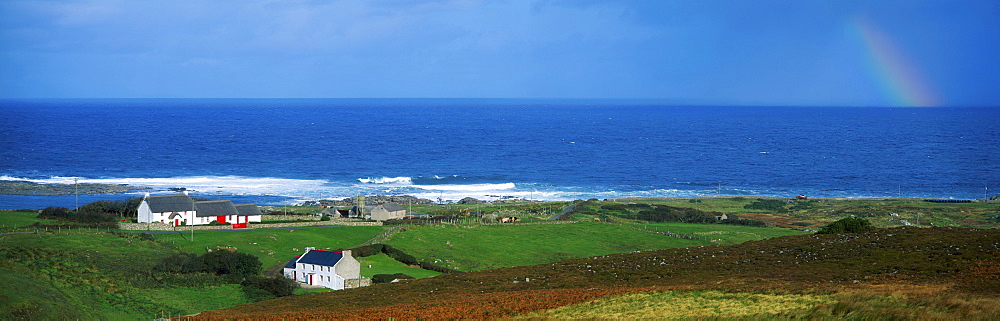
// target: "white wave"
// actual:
[[387, 180], [468, 187]]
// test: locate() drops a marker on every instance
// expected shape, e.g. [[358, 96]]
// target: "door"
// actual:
[[221, 219], [177, 221]]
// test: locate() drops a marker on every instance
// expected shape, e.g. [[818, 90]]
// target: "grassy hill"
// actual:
[[273, 247], [480, 247], [890, 273], [96, 275], [817, 212]]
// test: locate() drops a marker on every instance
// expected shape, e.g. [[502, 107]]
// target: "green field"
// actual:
[[481, 247], [473, 248], [383, 264], [96, 275], [273, 247], [719, 233], [86, 274], [10, 220]]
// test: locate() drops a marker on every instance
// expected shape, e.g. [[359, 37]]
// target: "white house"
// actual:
[[171, 209], [180, 209], [324, 268], [250, 211]]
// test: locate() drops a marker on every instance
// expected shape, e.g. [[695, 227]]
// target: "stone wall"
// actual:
[[357, 283], [167, 227], [268, 217], [145, 226]]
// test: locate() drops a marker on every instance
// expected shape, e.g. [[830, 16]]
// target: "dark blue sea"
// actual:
[[285, 151]]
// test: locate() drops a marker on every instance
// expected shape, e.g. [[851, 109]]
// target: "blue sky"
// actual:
[[690, 52]]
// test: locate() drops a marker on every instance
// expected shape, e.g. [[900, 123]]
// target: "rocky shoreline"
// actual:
[[37, 189], [371, 200]]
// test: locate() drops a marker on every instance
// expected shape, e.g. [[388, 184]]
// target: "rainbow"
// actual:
[[901, 81]]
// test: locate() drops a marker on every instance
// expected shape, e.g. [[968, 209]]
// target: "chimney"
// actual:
[[346, 252], [147, 195]]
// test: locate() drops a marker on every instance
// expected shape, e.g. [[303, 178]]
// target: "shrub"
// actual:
[[53, 212], [848, 225], [231, 263], [398, 255], [367, 250], [744, 222], [385, 278], [615, 207], [325, 218], [259, 288], [181, 263], [236, 264]]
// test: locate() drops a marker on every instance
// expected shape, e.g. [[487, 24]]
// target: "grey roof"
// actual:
[[321, 257], [170, 203], [248, 209], [392, 207], [215, 208]]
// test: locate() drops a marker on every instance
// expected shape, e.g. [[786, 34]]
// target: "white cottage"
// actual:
[[174, 209], [180, 209], [324, 268]]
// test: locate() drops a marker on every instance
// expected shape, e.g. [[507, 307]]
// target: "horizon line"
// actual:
[[672, 102]]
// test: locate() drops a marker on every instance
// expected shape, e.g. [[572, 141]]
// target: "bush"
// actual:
[[367, 250], [231, 263], [259, 288], [238, 265], [325, 218], [744, 222], [181, 263], [615, 207], [848, 225], [386, 278], [398, 255], [53, 212]]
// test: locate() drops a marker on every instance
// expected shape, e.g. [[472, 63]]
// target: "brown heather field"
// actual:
[[894, 273]]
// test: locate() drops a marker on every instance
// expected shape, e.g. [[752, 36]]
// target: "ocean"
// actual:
[[286, 151]]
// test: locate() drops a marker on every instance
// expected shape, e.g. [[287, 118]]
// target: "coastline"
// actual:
[[26, 188]]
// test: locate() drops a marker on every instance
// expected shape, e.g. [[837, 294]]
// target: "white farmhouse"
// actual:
[[325, 268], [250, 211], [171, 209], [180, 209]]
